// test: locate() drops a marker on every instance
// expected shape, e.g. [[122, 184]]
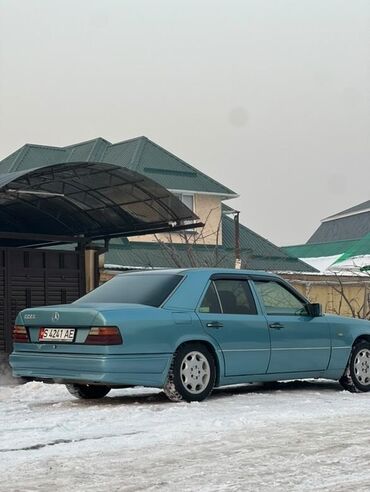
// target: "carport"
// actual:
[[71, 203]]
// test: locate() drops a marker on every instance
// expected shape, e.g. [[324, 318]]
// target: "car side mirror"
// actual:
[[314, 309]]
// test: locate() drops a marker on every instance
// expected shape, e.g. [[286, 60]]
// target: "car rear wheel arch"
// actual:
[[192, 374], [211, 349], [356, 341]]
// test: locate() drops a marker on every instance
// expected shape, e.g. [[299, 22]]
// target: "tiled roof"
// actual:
[[139, 154]]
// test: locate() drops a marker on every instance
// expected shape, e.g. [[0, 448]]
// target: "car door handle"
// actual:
[[214, 324], [276, 326]]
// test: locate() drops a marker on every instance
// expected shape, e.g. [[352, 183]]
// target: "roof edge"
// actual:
[[78, 144], [227, 197], [344, 215], [189, 165], [318, 244]]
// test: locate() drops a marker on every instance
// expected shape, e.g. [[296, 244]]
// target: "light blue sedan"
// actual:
[[188, 331]]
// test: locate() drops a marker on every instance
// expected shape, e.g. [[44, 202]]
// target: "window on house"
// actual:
[[188, 200]]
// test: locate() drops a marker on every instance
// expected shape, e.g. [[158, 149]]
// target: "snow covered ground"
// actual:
[[307, 435]]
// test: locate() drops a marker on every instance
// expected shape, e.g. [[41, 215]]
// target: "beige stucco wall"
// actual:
[[208, 209], [346, 296]]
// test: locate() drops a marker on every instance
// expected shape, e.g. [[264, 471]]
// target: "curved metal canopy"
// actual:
[[74, 201]]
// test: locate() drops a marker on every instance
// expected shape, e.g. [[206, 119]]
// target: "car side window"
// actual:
[[277, 299], [235, 296], [210, 303]]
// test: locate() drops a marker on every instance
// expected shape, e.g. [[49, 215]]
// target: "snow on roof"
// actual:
[[321, 263], [357, 265]]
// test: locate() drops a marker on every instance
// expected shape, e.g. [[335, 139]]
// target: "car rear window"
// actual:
[[150, 290]]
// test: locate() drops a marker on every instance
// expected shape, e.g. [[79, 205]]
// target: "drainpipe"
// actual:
[[238, 261], [92, 263], [236, 213]]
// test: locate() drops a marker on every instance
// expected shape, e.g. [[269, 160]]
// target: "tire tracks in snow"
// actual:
[[66, 441]]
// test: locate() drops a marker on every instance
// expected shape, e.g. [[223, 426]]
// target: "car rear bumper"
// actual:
[[114, 370]]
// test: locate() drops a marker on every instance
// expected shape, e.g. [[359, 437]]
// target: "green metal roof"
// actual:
[[250, 242], [361, 247], [317, 250], [257, 253], [138, 154], [346, 249], [154, 255]]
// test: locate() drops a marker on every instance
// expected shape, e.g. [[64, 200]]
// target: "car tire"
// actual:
[[356, 377], [192, 374], [88, 391]]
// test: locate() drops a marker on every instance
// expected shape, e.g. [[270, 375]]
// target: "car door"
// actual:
[[299, 342], [229, 314]]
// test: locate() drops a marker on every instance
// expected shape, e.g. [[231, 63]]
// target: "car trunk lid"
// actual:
[[73, 322]]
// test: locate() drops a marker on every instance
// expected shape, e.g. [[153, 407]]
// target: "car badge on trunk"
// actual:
[[55, 316]]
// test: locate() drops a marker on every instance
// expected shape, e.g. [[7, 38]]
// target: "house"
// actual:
[[214, 244], [340, 244]]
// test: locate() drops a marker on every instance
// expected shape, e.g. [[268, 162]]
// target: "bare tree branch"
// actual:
[[190, 240]]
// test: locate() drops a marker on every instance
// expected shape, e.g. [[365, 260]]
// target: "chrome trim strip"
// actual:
[[246, 350], [284, 348], [302, 348]]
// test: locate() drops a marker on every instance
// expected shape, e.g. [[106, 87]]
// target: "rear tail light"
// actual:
[[20, 334], [104, 335]]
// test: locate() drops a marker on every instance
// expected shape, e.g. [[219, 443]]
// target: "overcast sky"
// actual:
[[269, 97]]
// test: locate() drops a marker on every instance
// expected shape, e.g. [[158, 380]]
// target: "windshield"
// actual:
[[150, 290]]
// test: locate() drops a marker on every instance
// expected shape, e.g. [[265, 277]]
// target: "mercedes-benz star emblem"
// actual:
[[55, 316]]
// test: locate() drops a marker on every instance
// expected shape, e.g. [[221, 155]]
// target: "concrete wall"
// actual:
[[208, 209]]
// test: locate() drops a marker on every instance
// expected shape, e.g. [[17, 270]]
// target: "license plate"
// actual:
[[57, 334]]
